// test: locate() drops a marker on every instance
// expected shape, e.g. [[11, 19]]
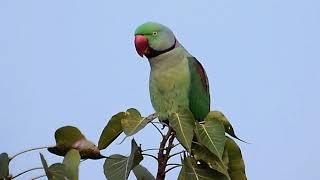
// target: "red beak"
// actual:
[[141, 44]]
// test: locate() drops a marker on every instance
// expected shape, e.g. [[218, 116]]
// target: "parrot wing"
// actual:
[[199, 95]]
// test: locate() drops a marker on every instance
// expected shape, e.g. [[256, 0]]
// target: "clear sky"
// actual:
[[74, 63]]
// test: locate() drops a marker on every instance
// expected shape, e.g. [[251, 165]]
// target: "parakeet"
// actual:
[[177, 79]]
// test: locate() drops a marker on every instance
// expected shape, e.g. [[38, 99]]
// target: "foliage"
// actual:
[[207, 152]]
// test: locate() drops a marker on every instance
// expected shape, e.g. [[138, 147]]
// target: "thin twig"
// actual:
[[176, 154], [150, 156], [27, 171], [38, 177], [32, 149], [151, 149], [164, 124], [172, 168], [157, 129], [176, 145], [174, 164]]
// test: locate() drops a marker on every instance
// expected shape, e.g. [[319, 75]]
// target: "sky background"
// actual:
[[74, 63]]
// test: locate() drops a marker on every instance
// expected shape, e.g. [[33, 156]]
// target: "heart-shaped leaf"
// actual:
[[183, 124], [69, 137], [111, 131], [202, 153], [142, 173], [56, 171], [219, 116], [191, 170], [211, 135], [4, 165], [234, 160], [71, 161], [133, 122], [118, 167]]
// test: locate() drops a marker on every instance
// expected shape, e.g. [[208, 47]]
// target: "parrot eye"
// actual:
[[155, 33]]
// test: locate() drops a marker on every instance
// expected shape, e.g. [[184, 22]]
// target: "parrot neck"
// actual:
[[168, 59], [154, 53]]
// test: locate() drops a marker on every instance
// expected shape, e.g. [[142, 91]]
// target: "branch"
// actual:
[[164, 151], [28, 150], [27, 171]]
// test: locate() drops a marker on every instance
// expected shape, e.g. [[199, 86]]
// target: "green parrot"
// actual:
[[177, 79]]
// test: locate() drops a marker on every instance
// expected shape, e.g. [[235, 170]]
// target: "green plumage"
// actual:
[[177, 79], [175, 83]]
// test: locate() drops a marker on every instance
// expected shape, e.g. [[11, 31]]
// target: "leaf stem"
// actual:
[[150, 156], [38, 177], [26, 171], [151, 149], [28, 150], [174, 164], [157, 129], [172, 168], [176, 154]]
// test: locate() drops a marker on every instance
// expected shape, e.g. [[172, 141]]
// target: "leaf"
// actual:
[[111, 131], [45, 165], [133, 122], [4, 165], [59, 172], [71, 161], [142, 173], [69, 137], [183, 124], [219, 116], [211, 135], [194, 171], [118, 167], [234, 161], [202, 153], [56, 171]]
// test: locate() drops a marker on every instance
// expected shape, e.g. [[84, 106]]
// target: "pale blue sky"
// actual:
[[74, 63]]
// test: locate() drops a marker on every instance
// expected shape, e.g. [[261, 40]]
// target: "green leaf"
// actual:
[[4, 165], [234, 161], [194, 171], [71, 161], [219, 116], [69, 137], [211, 135], [133, 122], [142, 173], [202, 153], [118, 167], [56, 171], [59, 172], [45, 165], [183, 124], [111, 131]]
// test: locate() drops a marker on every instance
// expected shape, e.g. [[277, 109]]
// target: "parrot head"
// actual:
[[153, 39]]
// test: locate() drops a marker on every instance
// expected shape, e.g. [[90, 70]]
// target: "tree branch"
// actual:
[[164, 151]]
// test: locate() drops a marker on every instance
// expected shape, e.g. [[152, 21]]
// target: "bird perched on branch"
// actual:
[[177, 79]]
